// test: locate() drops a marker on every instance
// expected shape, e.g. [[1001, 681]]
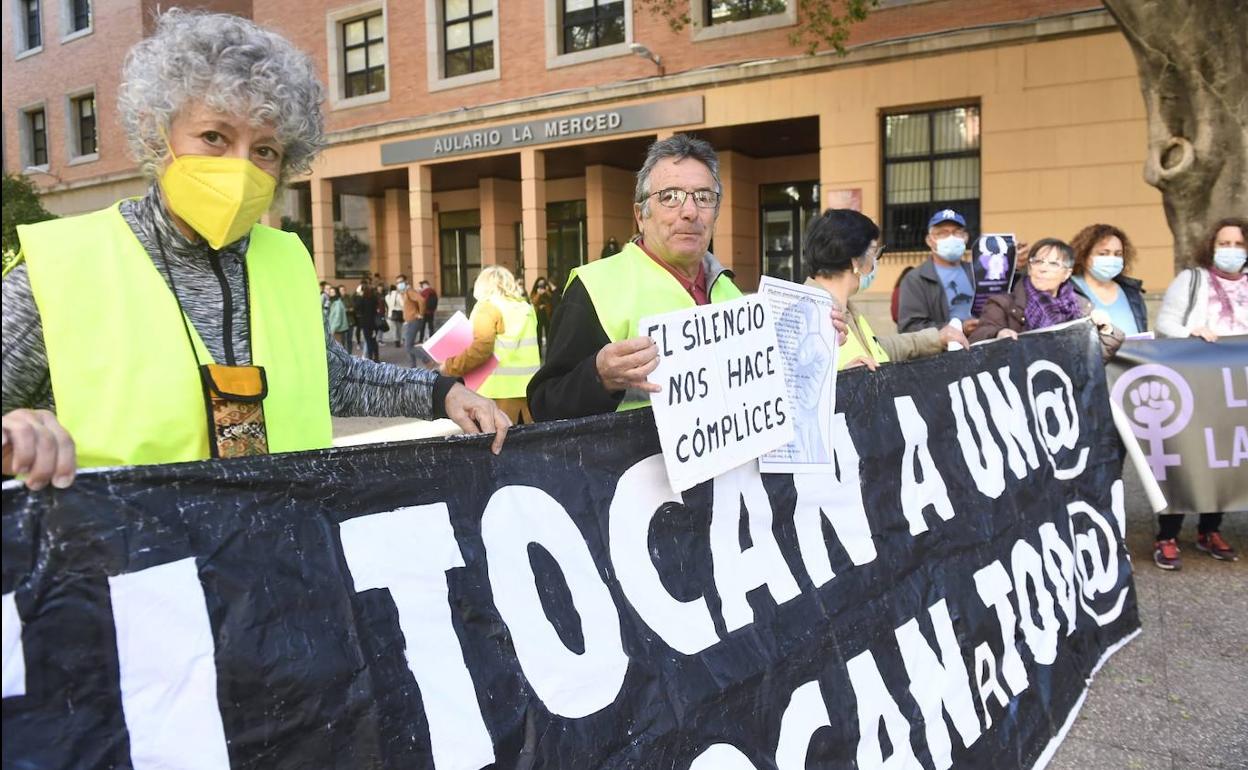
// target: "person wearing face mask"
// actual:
[[943, 287], [228, 354], [1211, 297], [543, 304], [394, 303], [842, 251], [1103, 253], [1044, 297]]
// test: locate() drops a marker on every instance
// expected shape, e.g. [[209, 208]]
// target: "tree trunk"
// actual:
[[1193, 62]]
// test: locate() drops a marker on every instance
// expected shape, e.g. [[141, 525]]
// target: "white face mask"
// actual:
[[402, 285], [1105, 267], [951, 248], [1229, 259]]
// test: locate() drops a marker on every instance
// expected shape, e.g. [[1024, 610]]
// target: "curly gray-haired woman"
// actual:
[[174, 327]]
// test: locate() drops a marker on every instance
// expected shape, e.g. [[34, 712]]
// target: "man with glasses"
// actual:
[[943, 287], [597, 359]]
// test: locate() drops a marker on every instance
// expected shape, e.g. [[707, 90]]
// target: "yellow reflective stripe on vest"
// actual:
[[516, 350], [124, 378], [629, 286]]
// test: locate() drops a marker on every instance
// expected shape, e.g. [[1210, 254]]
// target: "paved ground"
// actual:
[[1175, 698]]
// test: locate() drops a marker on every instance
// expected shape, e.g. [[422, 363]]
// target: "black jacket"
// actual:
[[567, 385], [1134, 289]]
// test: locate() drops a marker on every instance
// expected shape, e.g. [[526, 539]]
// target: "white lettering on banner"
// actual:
[[1239, 448], [989, 475], [1097, 566], [569, 684], [876, 704], [686, 627], [737, 571], [916, 495], [839, 500], [13, 663], [987, 682], [409, 551], [1009, 415], [1059, 565], [1228, 385], [721, 756], [1041, 637], [167, 669], [806, 713], [993, 585], [1058, 404], [939, 684]]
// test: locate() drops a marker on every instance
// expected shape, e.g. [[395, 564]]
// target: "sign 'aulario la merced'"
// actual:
[[941, 598]]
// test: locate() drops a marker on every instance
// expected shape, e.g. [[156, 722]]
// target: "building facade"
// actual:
[[473, 132]]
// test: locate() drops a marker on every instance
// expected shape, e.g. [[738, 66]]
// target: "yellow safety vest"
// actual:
[[630, 286], [124, 378], [855, 347], [516, 350]]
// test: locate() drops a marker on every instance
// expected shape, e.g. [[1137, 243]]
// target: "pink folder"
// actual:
[[453, 338]]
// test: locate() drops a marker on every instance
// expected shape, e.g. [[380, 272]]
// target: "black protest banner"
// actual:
[[942, 599], [1187, 402]]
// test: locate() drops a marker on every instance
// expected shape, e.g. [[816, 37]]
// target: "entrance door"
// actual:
[[567, 241], [786, 210], [461, 252]]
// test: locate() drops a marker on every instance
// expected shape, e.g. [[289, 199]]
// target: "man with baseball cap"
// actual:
[[942, 287]]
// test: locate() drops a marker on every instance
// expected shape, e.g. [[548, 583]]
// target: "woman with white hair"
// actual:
[[173, 327], [504, 325]]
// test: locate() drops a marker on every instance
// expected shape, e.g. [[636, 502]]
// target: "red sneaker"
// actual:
[[1166, 554], [1213, 544]]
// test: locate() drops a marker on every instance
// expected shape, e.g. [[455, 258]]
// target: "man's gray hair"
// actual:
[[677, 147], [231, 65]]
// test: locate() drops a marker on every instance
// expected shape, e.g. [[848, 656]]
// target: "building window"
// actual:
[[468, 36], [567, 239], [84, 125], [79, 15], [931, 160], [721, 11], [592, 24], [364, 56], [37, 138], [786, 210], [32, 34]]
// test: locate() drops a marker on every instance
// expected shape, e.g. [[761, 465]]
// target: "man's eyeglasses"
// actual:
[[674, 198]]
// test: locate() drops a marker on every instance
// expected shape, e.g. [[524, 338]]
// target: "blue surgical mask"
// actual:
[[402, 286], [1229, 259], [951, 248], [1105, 268], [865, 281]]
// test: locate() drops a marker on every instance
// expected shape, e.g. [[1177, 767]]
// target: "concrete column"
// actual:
[[608, 206], [424, 233], [395, 232], [533, 211], [736, 232], [377, 247], [595, 227], [500, 210], [323, 227]]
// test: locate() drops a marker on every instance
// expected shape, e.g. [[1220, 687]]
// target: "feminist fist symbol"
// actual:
[[1152, 405]]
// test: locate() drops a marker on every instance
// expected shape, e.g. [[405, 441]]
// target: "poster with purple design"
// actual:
[[992, 257]]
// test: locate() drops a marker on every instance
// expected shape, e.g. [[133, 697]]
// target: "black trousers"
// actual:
[[1168, 525]]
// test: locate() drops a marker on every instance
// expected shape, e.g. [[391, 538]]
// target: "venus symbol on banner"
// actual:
[[1152, 390]]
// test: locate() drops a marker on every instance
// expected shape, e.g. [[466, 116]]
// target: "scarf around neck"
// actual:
[[1045, 310]]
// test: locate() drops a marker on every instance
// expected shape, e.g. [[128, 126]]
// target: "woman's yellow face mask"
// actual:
[[222, 173]]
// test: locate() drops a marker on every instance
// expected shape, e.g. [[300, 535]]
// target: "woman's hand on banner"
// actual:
[[1205, 333], [1007, 334], [866, 361], [37, 446], [627, 363], [477, 414], [950, 333]]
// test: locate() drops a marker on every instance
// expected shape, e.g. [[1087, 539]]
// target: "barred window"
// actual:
[[931, 161], [592, 24], [80, 15], [84, 115], [723, 11], [37, 133], [364, 56], [30, 23], [468, 36]]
